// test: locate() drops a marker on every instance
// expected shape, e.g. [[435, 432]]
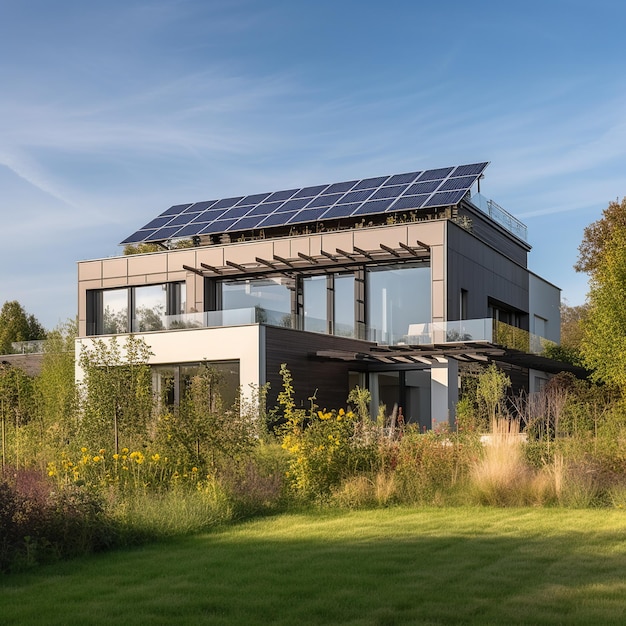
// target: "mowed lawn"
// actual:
[[394, 566]]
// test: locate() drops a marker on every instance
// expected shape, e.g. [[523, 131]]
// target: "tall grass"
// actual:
[[501, 477]]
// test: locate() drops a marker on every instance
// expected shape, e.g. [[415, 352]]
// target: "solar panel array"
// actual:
[[351, 199]]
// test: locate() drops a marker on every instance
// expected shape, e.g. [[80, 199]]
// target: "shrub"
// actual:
[[431, 466], [39, 523]]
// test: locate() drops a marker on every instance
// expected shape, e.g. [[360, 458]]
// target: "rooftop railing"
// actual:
[[500, 215]]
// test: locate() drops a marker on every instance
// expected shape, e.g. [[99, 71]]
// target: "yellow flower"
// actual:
[[194, 469], [96, 459], [83, 450], [342, 412], [101, 451], [124, 450], [155, 457], [116, 456]]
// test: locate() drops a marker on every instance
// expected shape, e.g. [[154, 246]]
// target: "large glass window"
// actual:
[[150, 307], [344, 303], [170, 382], [315, 297], [270, 297], [113, 315], [108, 309], [397, 296], [328, 304]]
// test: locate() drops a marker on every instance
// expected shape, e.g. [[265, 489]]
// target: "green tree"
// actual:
[[55, 392], [17, 325], [16, 409], [602, 255], [490, 391], [208, 434], [116, 393]]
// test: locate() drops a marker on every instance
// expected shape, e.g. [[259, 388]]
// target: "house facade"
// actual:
[[395, 283]]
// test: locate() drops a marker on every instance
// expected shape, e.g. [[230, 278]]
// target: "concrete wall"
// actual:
[[242, 343], [545, 309]]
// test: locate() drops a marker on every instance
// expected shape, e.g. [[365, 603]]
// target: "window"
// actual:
[[270, 297], [397, 296], [315, 303], [133, 309], [114, 312], [169, 382], [463, 305], [329, 304]]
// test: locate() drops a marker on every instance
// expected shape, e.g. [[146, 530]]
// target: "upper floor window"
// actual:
[[133, 309], [271, 298], [397, 296]]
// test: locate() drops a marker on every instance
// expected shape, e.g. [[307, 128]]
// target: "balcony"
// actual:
[[478, 330], [500, 215]]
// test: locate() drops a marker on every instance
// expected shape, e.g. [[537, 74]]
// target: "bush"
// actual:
[[39, 523], [431, 467]]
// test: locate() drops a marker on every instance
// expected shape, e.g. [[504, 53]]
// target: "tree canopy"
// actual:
[[602, 255], [17, 325]]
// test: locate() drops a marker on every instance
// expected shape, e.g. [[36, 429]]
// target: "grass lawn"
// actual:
[[395, 566]]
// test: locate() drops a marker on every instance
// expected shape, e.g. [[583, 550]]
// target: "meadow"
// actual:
[[398, 565]]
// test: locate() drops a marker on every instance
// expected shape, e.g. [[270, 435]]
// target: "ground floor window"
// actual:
[[169, 382]]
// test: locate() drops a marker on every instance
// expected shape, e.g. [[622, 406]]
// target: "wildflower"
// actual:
[[194, 469], [97, 459], [125, 450], [116, 456], [101, 452], [83, 450], [155, 457]]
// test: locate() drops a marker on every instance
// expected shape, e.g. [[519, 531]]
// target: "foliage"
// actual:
[[598, 238], [143, 248], [17, 409], [325, 446], [430, 467], [202, 431], [17, 325], [116, 392], [604, 339], [602, 254], [55, 394], [490, 391], [38, 524]]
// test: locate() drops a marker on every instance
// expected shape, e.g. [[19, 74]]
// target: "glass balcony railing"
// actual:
[[500, 215], [420, 333]]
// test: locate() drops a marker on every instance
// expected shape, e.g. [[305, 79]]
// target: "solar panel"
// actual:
[[227, 203], [336, 201], [342, 187]]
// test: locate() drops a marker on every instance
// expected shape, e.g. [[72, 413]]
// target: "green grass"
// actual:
[[395, 566]]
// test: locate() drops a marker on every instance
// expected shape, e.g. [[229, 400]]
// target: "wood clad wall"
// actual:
[[295, 347]]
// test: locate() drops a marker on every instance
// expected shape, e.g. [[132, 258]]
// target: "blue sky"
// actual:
[[112, 112]]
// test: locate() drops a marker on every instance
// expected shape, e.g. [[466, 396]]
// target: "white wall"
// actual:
[[242, 343], [545, 303]]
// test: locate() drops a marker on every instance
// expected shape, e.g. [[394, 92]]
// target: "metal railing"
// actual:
[[500, 215]]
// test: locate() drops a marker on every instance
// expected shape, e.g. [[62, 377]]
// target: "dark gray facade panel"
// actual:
[[328, 380], [485, 229], [485, 274]]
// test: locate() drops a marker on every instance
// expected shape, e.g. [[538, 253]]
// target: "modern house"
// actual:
[[395, 283]]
